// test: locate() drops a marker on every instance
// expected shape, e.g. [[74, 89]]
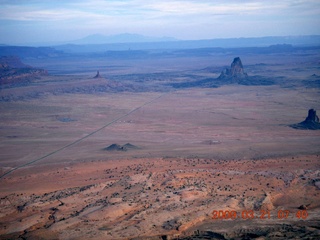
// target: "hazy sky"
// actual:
[[61, 20]]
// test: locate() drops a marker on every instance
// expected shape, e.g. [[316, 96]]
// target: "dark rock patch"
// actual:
[[66, 119], [311, 122], [235, 73], [303, 207], [257, 81], [114, 147], [117, 147], [303, 230], [210, 142], [129, 146], [12, 136], [97, 75], [207, 82], [171, 225]]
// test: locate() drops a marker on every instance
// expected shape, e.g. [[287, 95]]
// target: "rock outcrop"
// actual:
[[312, 117], [97, 75], [311, 122], [114, 147], [12, 62], [117, 147], [235, 73], [13, 71]]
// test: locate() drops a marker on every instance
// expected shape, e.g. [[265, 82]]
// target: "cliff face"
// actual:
[[13, 71]]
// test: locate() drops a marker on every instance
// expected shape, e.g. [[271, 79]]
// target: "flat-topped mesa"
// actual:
[[236, 71], [311, 122]]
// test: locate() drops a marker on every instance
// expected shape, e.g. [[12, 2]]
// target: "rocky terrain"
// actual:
[[233, 75], [237, 75], [160, 141], [14, 73], [162, 199], [160, 72], [227, 148]]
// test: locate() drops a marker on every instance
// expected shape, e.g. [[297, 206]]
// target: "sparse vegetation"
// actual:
[[181, 154]]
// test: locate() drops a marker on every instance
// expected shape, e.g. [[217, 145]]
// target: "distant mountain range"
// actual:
[[119, 38], [126, 41], [135, 44], [130, 38], [122, 42]]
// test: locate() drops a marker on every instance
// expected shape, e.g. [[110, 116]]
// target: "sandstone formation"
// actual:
[[235, 73], [311, 122], [13, 71], [161, 198]]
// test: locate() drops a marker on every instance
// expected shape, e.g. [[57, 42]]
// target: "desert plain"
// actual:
[[129, 155]]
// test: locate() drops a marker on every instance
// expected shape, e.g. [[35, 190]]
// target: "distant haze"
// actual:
[[35, 21], [119, 38]]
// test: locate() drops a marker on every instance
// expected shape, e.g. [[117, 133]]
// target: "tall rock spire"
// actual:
[[97, 75], [235, 73], [311, 122]]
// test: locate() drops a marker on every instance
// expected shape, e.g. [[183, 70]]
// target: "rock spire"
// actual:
[[311, 122], [235, 73]]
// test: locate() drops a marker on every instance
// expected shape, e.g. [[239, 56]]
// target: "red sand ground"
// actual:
[[201, 150]]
